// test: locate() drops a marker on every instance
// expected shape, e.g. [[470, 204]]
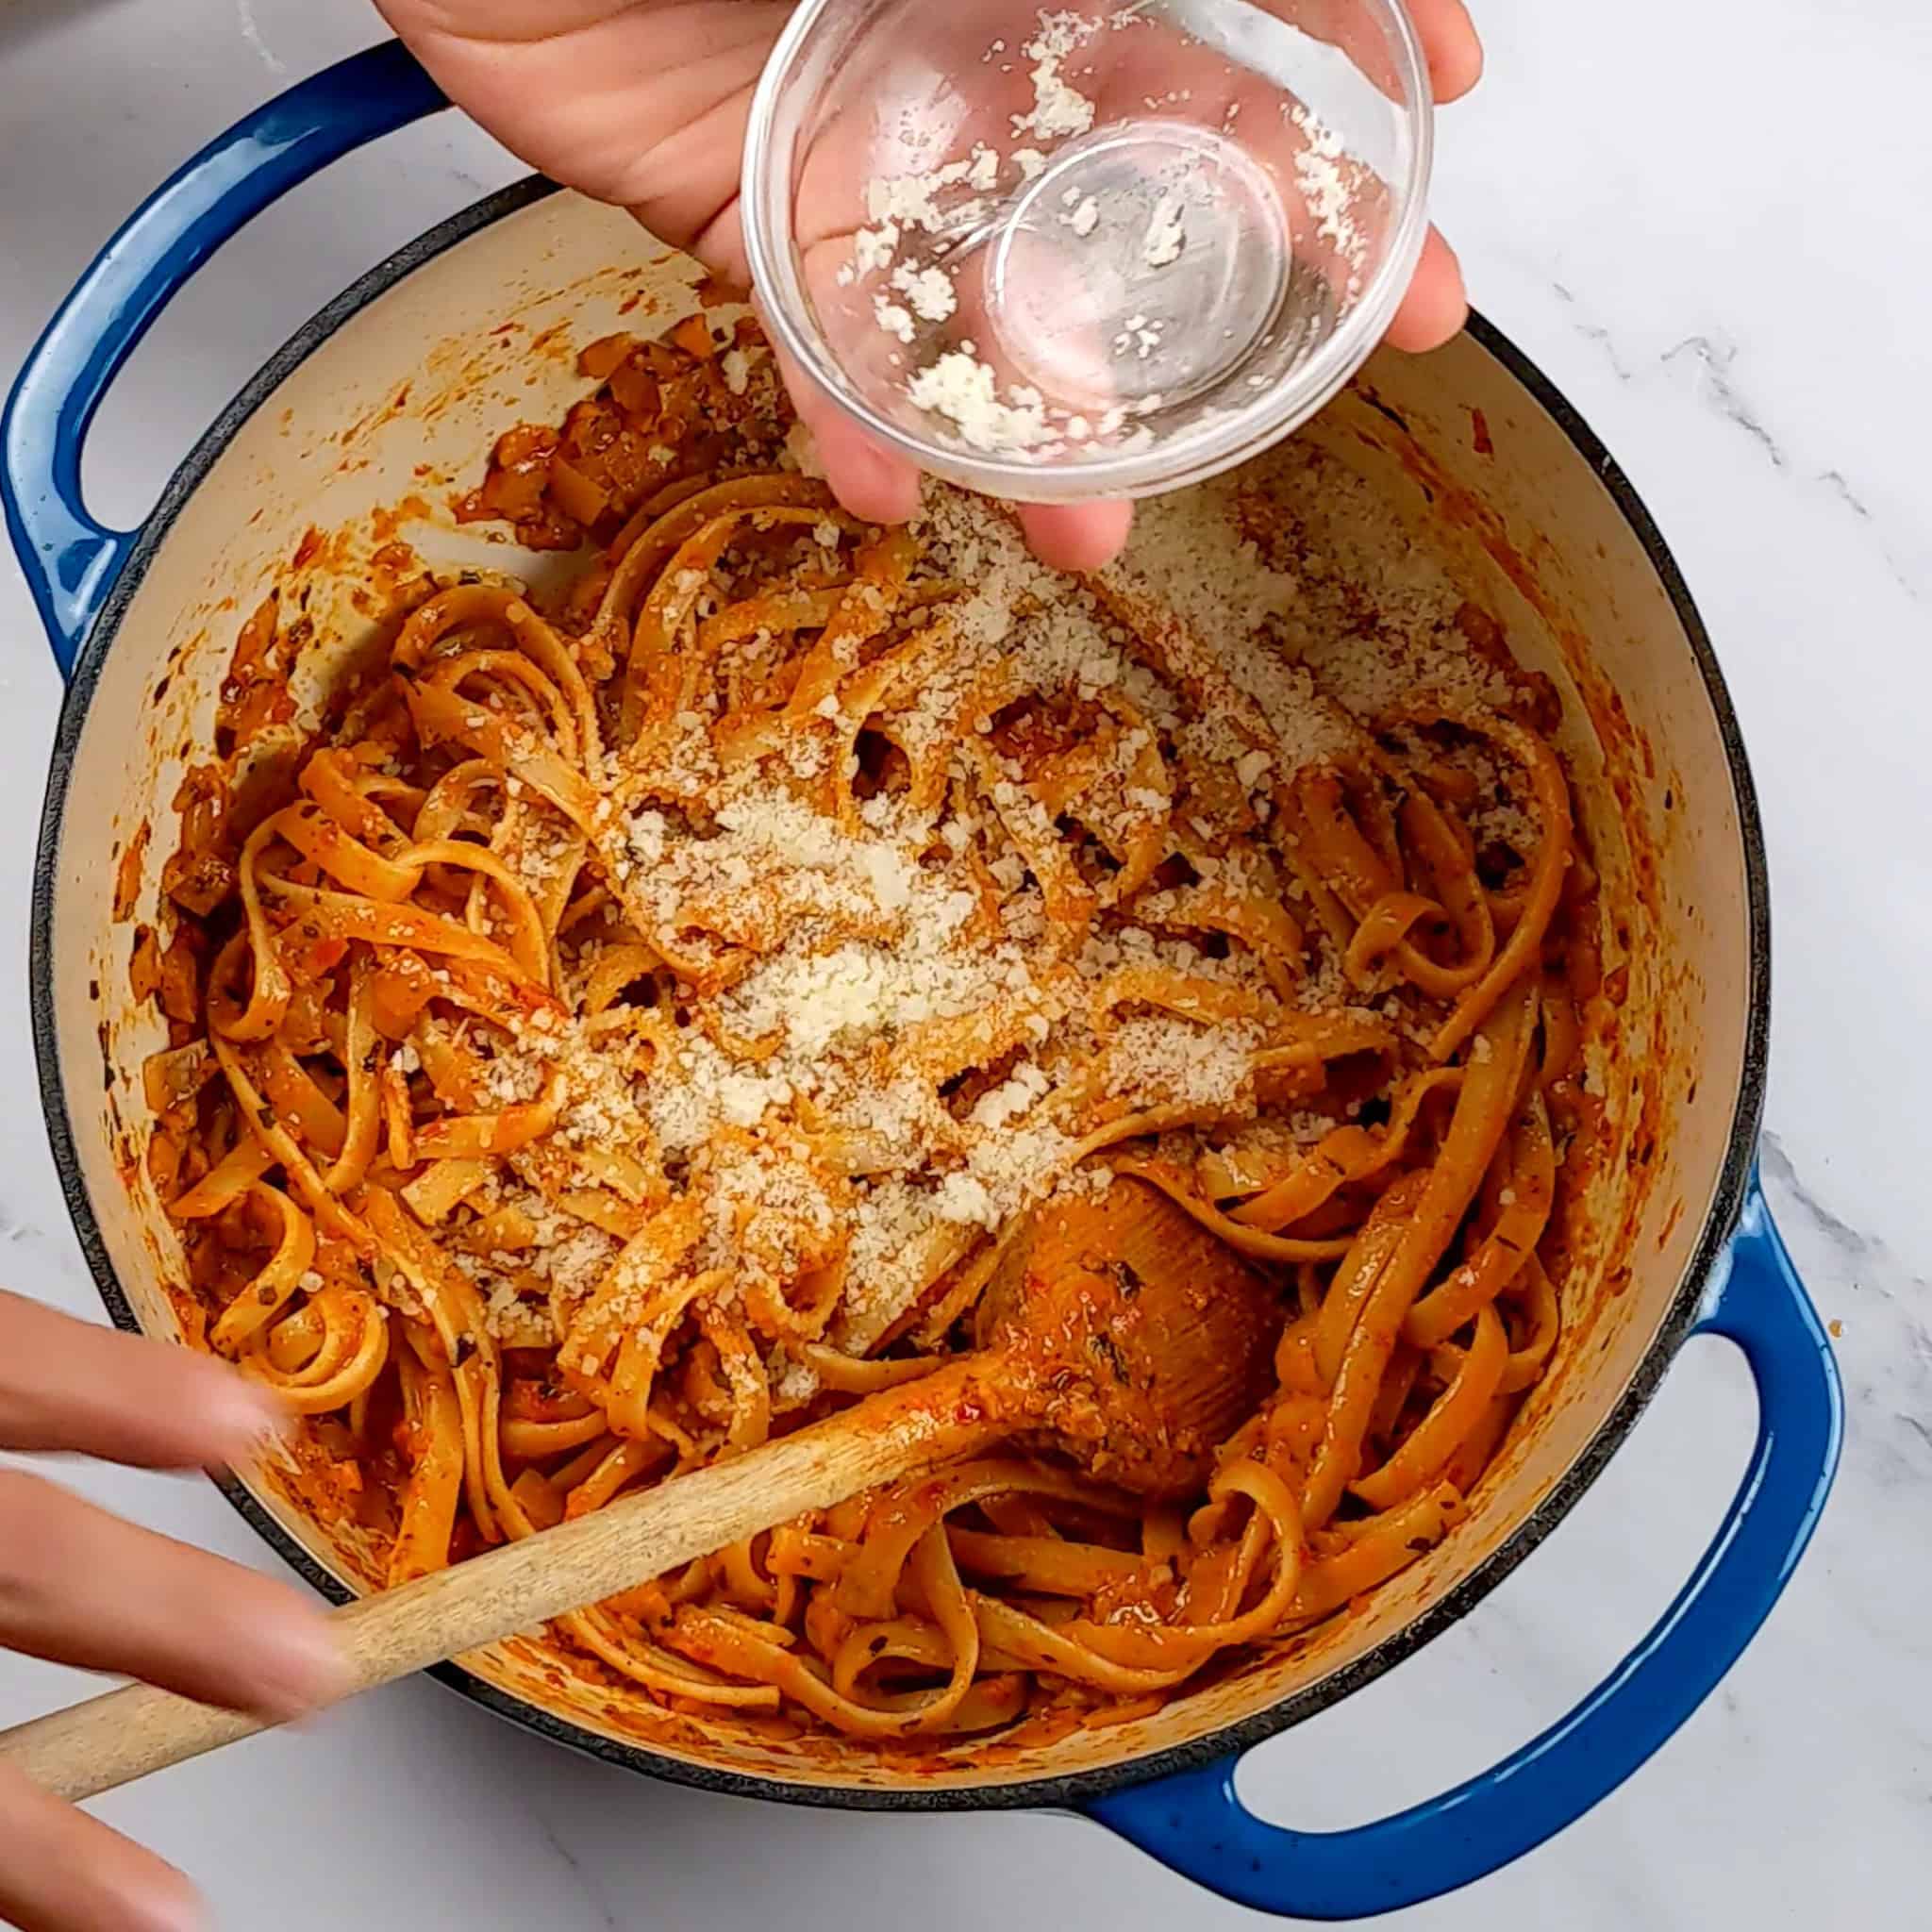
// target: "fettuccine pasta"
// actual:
[[646, 1014]]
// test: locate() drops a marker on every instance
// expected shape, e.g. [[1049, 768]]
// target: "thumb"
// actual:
[[872, 482]]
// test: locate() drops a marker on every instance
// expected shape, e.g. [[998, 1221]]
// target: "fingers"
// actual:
[[81, 1587], [1450, 46], [61, 1871], [870, 482], [1436, 305], [883, 488], [75, 1386], [1076, 536]]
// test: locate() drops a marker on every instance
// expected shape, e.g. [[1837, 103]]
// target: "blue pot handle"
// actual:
[[69, 559], [1196, 1824]]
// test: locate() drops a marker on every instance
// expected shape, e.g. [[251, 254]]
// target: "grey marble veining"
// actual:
[[1705, 224]]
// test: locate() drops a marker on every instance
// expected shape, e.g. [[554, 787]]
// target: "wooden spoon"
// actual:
[[1115, 1330]]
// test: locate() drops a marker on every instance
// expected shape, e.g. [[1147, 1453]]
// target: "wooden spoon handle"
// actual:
[[125, 1734]]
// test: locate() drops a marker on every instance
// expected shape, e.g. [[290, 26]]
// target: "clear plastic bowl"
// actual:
[[1100, 250]]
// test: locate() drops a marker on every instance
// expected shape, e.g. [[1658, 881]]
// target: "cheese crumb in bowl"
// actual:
[[1105, 250]]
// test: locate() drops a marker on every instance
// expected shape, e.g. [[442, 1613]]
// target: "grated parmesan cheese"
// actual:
[[1164, 238], [1059, 108], [928, 291], [962, 388], [895, 319]]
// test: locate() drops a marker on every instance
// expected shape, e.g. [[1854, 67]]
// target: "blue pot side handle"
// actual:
[[69, 559], [1196, 1824]]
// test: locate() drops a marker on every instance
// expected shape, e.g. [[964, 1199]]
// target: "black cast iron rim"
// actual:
[[1042, 1792]]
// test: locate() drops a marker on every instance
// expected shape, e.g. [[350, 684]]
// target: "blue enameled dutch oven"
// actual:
[[395, 392]]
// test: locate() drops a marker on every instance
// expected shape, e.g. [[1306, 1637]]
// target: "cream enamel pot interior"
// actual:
[[475, 327]]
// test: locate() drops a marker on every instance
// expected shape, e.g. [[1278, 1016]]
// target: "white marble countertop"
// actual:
[[1708, 233]]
